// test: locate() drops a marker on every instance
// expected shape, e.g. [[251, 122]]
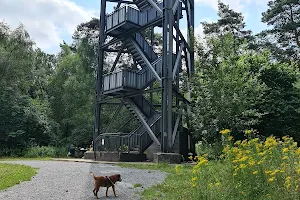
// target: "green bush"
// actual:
[[46, 151], [9, 152], [213, 151]]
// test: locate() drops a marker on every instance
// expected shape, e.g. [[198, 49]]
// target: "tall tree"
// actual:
[[284, 16], [283, 39], [71, 90], [16, 57], [224, 92], [24, 120], [229, 22]]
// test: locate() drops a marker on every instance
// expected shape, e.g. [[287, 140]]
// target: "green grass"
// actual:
[[176, 185], [137, 185], [12, 174], [22, 158], [161, 166], [251, 169]]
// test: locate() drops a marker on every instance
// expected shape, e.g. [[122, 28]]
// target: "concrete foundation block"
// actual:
[[89, 155], [107, 156], [171, 158], [132, 157]]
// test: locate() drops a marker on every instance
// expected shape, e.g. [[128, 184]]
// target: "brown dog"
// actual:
[[105, 181]]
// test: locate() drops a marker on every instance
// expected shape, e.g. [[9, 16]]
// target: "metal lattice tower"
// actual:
[[126, 26]]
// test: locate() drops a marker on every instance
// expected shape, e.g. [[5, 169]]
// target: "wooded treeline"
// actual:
[[242, 81]]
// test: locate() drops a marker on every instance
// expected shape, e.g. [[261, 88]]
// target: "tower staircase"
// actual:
[[129, 21]]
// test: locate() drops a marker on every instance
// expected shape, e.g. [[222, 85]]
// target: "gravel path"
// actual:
[[71, 180]]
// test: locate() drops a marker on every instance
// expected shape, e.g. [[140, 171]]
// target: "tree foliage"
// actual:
[[71, 92], [241, 82], [282, 39], [225, 92], [23, 106], [229, 22], [284, 16], [240, 89]]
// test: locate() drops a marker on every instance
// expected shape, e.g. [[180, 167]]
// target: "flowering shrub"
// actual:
[[250, 169]]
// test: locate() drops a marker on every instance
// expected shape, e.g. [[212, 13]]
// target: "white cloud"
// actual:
[[237, 5], [198, 30], [45, 20]]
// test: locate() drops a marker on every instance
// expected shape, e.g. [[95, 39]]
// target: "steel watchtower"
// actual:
[[129, 30]]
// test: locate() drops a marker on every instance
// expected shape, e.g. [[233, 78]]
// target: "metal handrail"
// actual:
[[122, 7]]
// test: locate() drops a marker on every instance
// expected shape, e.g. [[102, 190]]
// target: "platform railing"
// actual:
[[134, 79]]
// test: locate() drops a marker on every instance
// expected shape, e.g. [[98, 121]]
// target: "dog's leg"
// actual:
[[113, 187], [106, 192], [97, 193]]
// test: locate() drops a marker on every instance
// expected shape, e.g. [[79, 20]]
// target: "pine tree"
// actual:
[[283, 39], [229, 22], [284, 16]]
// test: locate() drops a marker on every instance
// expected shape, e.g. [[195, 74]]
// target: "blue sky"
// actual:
[[49, 22], [208, 11]]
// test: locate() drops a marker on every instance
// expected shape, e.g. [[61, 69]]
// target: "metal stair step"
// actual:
[[142, 4]]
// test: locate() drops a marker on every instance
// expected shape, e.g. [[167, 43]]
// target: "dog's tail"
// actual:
[[92, 174]]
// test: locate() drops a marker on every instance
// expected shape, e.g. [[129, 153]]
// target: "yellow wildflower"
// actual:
[[217, 184], [248, 132], [255, 172], [258, 147], [273, 173], [271, 179], [226, 149], [259, 162], [197, 158], [284, 137], [244, 143], [287, 182], [247, 151], [293, 145], [194, 179], [234, 174], [270, 142], [229, 138], [285, 150], [225, 131], [243, 166], [251, 162], [202, 161], [284, 157], [268, 172], [177, 168], [244, 158]]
